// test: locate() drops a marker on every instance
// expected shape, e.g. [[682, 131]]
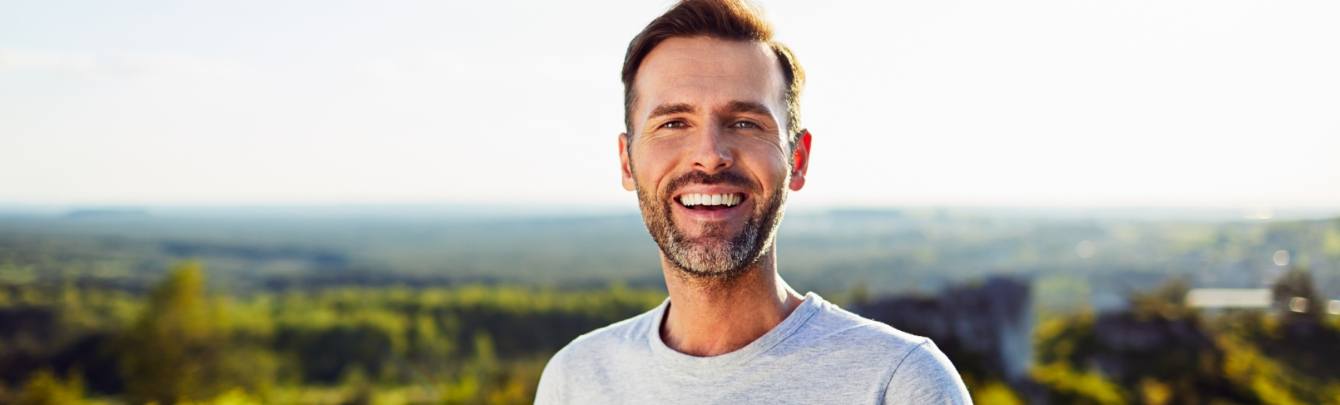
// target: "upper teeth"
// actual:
[[728, 200]]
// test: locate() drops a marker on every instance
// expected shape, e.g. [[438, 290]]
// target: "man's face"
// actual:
[[709, 152]]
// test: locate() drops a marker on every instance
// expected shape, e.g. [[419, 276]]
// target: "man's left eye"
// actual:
[[743, 125]]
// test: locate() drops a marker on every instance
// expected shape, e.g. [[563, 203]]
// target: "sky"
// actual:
[[1222, 103]]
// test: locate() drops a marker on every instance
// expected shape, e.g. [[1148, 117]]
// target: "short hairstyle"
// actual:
[[723, 19]]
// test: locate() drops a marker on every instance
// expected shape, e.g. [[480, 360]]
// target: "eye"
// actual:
[[744, 125], [676, 124]]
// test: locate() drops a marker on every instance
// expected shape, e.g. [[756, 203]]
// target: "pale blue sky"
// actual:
[[1224, 103]]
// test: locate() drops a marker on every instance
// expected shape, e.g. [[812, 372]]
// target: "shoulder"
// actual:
[[915, 370], [582, 359], [832, 323], [926, 376], [600, 342]]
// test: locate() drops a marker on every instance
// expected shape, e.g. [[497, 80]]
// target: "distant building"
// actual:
[[1226, 298], [1214, 299]]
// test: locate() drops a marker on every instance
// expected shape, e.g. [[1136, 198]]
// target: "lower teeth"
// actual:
[[709, 206]]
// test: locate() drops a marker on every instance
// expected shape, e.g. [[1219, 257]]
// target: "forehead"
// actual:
[[708, 72]]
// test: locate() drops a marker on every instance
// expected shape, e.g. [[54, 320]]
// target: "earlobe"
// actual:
[[797, 182], [625, 168]]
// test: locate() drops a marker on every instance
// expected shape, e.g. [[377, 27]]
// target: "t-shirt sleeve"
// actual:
[[550, 390], [925, 376]]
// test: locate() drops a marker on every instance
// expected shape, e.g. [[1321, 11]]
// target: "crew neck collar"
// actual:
[[809, 306]]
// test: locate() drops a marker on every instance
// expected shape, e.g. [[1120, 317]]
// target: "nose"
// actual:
[[711, 153]]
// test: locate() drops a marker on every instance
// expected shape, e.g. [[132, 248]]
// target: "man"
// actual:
[[713, 144]]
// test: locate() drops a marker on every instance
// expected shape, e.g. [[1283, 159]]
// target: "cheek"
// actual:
[[650, 166], [768, 163]]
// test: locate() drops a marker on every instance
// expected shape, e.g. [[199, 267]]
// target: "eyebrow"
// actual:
[[667, 109], [748, 107]]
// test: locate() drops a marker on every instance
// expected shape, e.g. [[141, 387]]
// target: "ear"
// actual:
[[800, 160], [625, 167]]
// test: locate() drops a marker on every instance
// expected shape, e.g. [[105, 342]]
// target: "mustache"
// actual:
[[697, 177]]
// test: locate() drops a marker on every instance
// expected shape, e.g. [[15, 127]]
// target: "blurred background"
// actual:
[[419, 202]]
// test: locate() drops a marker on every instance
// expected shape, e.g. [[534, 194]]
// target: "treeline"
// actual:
[[181, 343]]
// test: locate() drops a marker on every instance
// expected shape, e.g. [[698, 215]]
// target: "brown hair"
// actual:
[[724, 19]]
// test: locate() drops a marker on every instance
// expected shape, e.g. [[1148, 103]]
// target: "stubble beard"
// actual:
[[716, 255]]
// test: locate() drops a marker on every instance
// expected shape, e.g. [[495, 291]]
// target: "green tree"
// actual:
[[180, 349], [1166, 301], [1295, 295], [45, 388]]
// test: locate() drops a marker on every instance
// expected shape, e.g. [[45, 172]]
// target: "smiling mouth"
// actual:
[[710, 202]]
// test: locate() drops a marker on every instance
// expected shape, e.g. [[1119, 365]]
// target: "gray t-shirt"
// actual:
[[820, 354]]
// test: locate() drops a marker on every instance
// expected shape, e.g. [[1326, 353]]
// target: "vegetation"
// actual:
[[180, 343], [1161, 352], [236, 311]]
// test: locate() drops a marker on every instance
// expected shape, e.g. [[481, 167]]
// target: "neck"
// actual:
[[709, 317]]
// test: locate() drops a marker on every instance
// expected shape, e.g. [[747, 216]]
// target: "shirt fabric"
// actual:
[[820, 354]]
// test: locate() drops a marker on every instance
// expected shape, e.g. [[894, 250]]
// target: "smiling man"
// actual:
[[713, 146]]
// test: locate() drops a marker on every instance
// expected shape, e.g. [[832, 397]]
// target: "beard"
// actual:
[[718, 253]]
